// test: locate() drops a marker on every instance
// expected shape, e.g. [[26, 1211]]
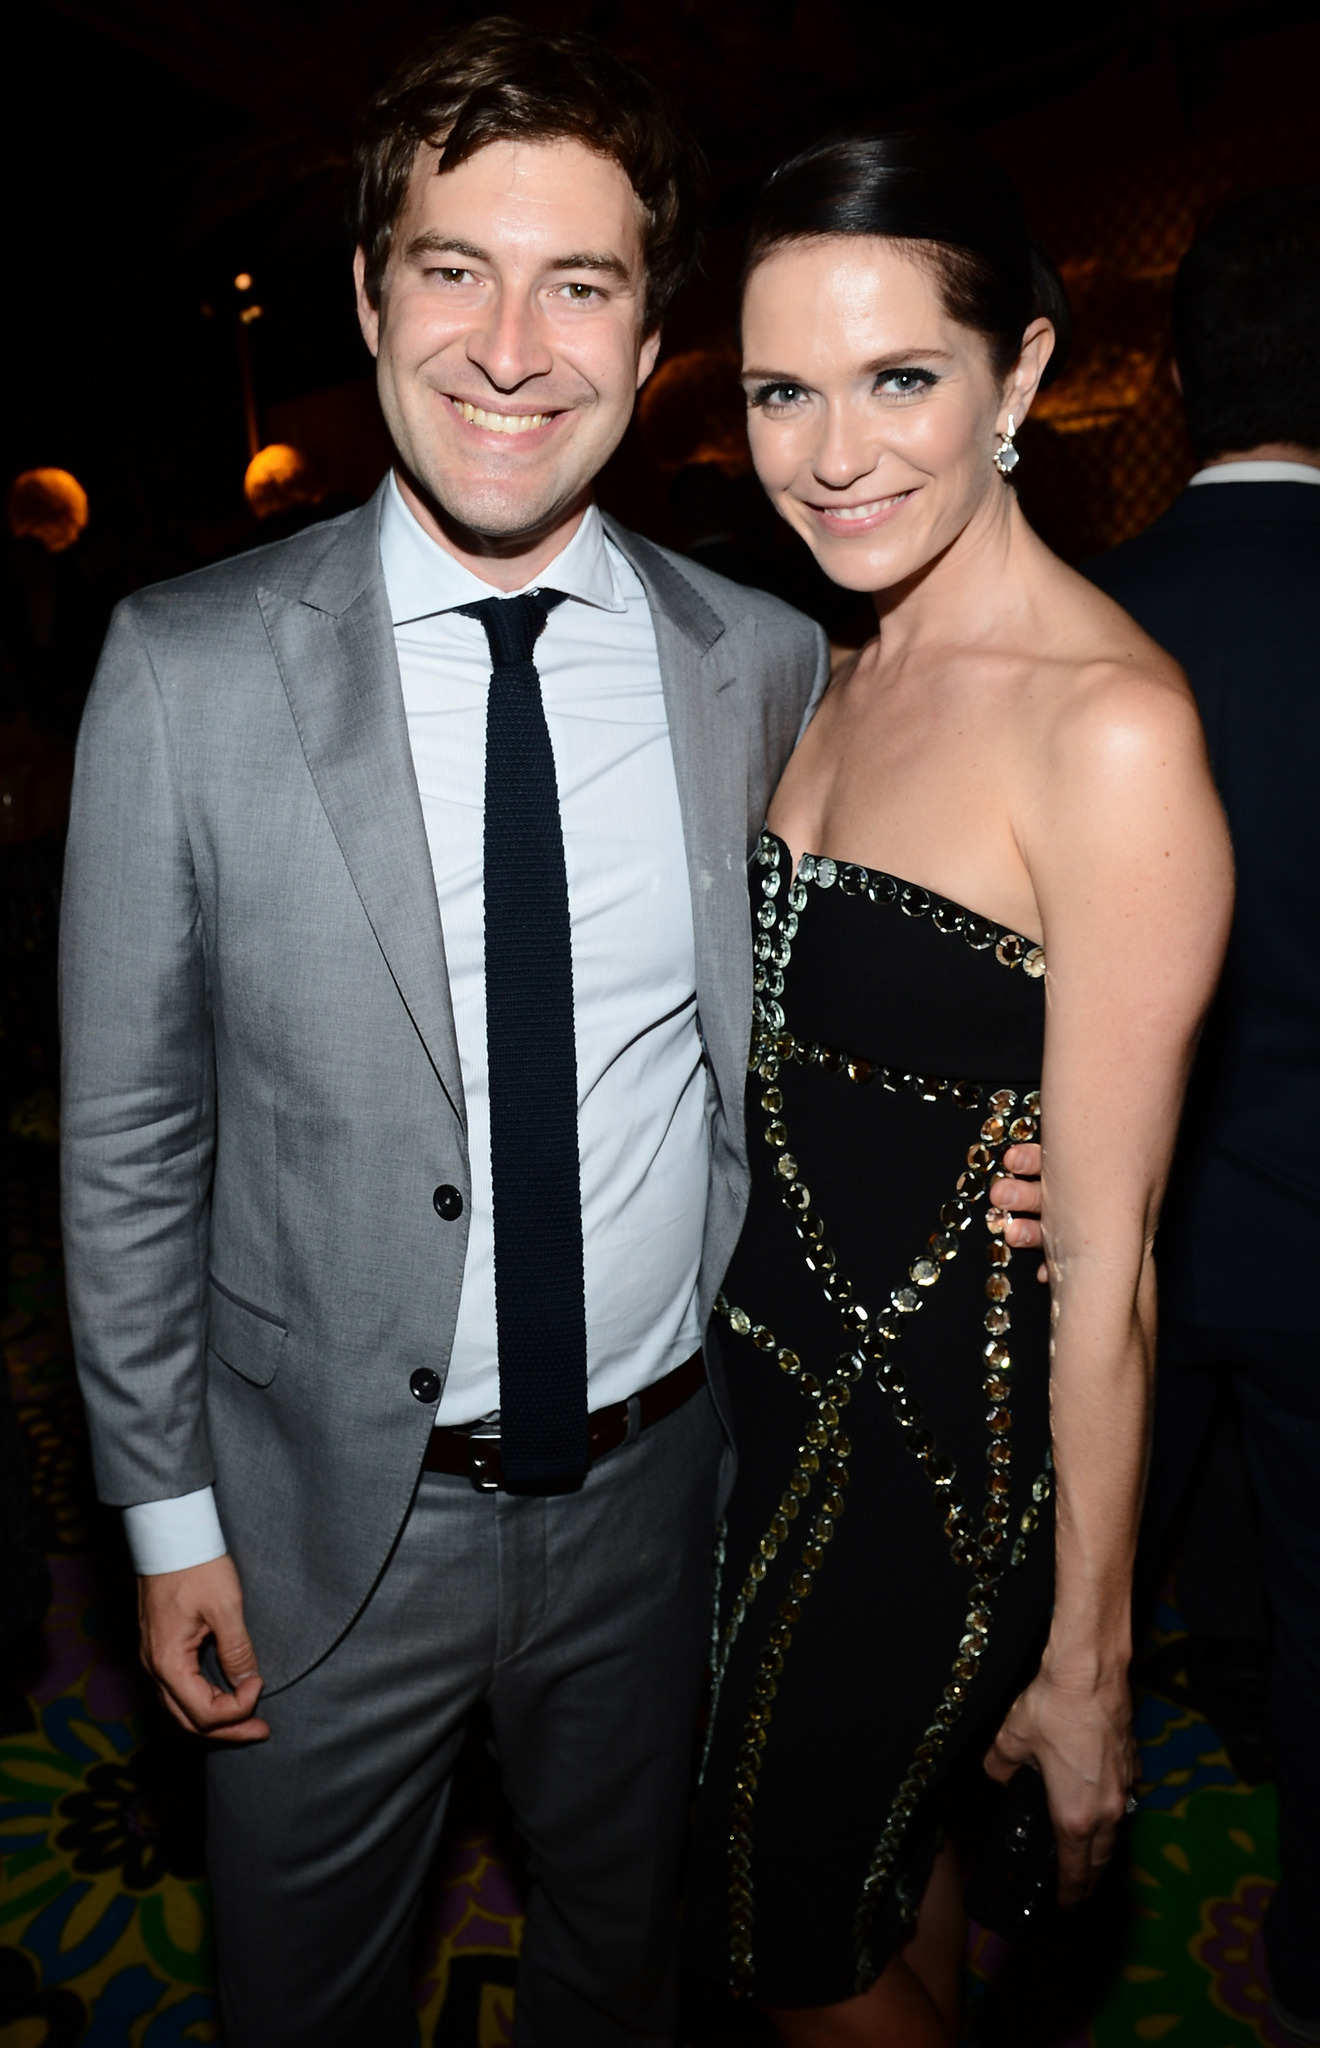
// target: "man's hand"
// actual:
[[1021, 1196], [177, 1611]]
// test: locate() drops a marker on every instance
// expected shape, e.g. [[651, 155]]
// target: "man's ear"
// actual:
[[650, 349], [367, 311]]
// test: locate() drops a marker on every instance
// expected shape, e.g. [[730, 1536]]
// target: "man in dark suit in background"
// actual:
[[1228, 580]]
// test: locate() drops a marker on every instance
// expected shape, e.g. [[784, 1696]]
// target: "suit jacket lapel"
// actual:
[[705, 700], [334, 644]]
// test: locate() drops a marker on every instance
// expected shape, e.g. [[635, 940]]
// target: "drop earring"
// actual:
[[1006, 456]]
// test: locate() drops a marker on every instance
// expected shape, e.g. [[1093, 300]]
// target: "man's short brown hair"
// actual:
[[500, 80]]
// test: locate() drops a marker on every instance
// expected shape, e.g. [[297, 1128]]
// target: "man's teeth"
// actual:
[[863, 511], [501, 422]]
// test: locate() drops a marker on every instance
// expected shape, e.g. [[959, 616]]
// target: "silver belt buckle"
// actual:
[[482, 1440]]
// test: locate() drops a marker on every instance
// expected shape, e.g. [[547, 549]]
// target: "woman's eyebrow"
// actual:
[[898, 358], [893, 359]]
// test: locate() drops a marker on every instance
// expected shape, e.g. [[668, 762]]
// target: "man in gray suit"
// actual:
[[390, 1300]]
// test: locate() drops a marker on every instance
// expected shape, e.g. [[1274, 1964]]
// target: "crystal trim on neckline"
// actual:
[[1011, 949]]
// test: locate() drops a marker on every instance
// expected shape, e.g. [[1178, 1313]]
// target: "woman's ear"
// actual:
[[1023, 380]]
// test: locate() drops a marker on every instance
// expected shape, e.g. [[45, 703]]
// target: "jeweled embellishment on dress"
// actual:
[[869, 1340], [1010, 948]]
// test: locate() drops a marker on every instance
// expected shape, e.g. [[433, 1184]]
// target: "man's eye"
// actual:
[[578, 294], [450, 273]]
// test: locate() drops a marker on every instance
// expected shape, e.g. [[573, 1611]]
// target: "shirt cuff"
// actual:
[[171, 1535]]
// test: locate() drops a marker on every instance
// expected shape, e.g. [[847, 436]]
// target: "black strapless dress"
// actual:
[[887, 1564]]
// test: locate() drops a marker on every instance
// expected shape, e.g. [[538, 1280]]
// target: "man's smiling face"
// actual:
[[510, 338]]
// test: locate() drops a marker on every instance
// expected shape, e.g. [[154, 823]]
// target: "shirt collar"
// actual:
[[1259, 473], [422, 578]]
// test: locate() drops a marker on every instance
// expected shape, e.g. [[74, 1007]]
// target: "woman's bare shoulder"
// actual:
[[1120, 825], [1117, 686], [1114, 631]]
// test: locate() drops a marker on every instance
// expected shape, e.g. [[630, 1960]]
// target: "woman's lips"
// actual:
[[850, 520]]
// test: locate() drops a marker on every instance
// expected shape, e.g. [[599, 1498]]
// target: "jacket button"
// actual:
[[448, 1203], [425, 1384]]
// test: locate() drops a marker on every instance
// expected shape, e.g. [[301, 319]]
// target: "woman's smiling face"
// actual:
[[873, 415]]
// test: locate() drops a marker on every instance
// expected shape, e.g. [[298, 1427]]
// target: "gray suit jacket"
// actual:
[[261, 1079]]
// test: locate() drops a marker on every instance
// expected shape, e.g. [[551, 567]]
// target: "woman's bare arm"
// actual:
[[1129, 855]]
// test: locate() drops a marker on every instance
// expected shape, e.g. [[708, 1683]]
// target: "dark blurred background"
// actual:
[[158, 153]]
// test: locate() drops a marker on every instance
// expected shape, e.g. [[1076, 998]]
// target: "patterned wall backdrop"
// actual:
[[1116, 177]]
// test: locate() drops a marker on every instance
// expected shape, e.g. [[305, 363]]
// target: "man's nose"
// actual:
[[509, 344]]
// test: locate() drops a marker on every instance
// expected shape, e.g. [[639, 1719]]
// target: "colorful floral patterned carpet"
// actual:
[[103, 1905]]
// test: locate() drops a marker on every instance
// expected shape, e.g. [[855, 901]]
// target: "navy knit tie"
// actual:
[[532, 1055]]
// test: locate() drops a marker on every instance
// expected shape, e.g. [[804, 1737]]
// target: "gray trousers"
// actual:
[[582, 1620]]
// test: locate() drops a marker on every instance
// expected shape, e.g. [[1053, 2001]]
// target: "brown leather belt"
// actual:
[[478, 1457]]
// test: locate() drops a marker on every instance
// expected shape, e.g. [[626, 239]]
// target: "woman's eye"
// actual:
[[775, 397], [905, 383]]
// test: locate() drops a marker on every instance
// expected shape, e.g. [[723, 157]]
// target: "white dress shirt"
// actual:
[[1248, 472], [641, 1086]]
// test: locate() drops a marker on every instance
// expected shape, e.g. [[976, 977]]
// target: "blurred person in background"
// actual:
[[1228, 581]]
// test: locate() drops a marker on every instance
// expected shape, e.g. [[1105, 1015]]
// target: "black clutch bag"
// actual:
[[1013, 1886]]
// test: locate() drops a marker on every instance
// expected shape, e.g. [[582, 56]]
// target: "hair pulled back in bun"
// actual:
[[939, 192]]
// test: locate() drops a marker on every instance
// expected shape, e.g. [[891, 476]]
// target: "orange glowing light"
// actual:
[[47, 505], [243, 282], [693, 411], [280, 477]]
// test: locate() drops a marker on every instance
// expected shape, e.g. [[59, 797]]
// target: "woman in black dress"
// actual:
[[995, 872]]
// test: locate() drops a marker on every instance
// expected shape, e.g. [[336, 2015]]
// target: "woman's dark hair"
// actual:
[[500, 80], [939, 192], [1246, 324]]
